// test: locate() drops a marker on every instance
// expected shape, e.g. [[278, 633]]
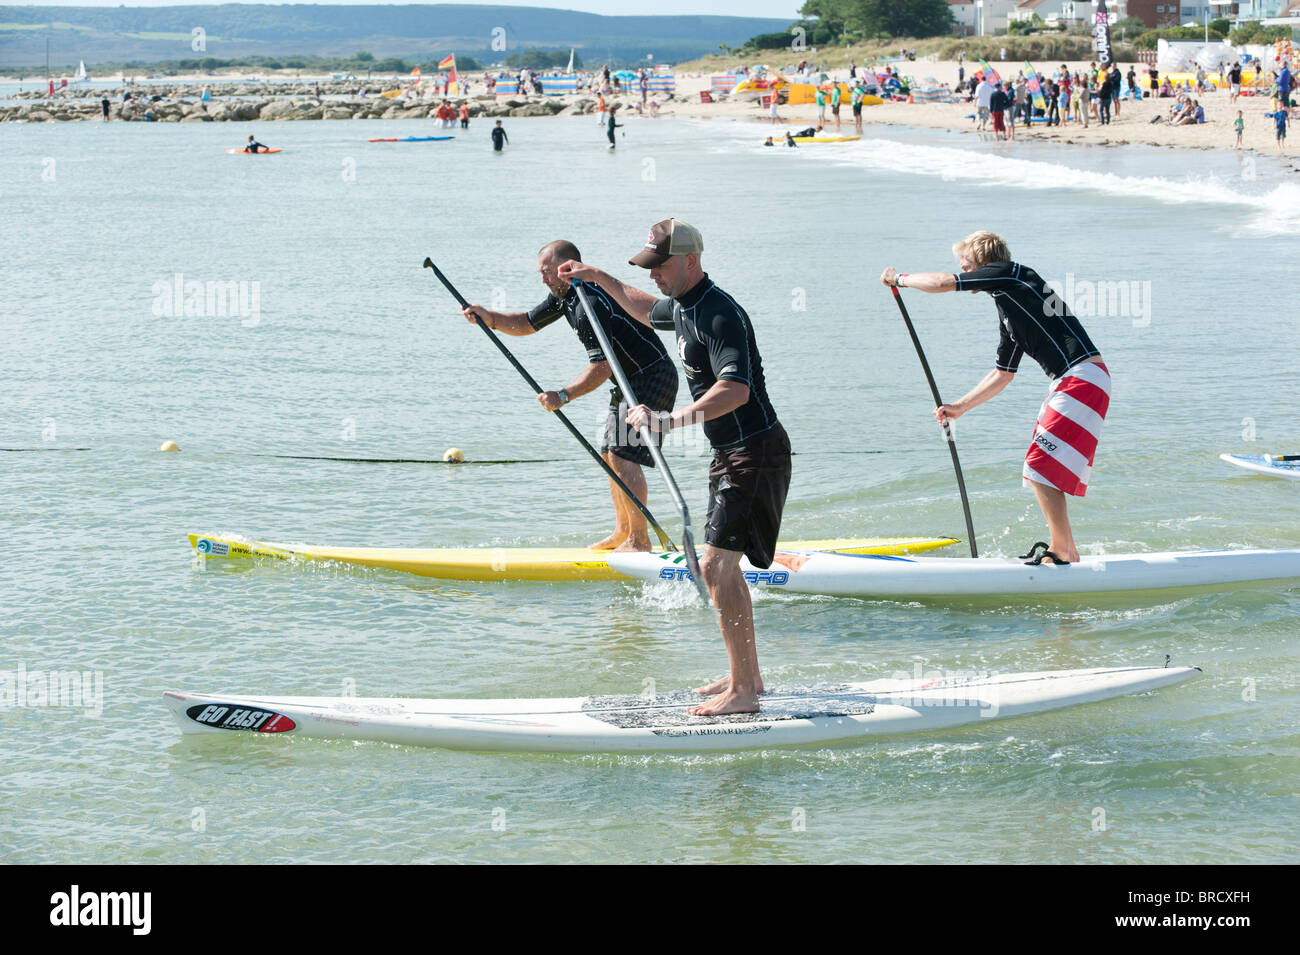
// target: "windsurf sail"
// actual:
[[1035, 86]]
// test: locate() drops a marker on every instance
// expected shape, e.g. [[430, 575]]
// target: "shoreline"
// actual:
[[244, 100]]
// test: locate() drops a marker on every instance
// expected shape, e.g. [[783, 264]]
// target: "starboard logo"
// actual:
[[776, 578], [75, 907], [231, 717]]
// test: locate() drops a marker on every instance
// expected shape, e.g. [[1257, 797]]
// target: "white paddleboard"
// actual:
[[1281, 465], [790, 716], [845, 575]]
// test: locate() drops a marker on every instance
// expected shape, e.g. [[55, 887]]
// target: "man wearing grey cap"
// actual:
[[750, 473]]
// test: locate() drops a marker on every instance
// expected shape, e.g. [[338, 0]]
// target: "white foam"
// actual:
[[1276, 209]]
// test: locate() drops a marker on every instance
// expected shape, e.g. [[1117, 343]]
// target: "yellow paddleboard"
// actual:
[[510, 563], [826, 139]]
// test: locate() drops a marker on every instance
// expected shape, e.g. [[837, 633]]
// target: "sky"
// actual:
[[786, 9]]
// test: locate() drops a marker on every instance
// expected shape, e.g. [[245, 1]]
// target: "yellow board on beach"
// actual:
[[509, 563], [826, 139]]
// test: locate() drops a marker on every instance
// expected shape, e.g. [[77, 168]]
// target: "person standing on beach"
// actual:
[[1234, 83], [499, 137], [821, 106], [836, 99], [1238, 127], [103, 105], [1116, 86], [1009, 96], [1035, 322], [998, 110], [750, 473], [1103, 100], [983, 100], [855, 101], [464, 116], [1284, 85], [650, 372], [1280, 117]]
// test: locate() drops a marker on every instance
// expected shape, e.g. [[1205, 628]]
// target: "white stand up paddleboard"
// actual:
[[790, 716], [1274, 465], [845, 575]]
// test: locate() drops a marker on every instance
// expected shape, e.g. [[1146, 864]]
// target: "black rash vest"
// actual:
[[715, 340], [636, 347], [1035, 321]]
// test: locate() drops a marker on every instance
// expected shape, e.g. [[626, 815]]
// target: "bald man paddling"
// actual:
[[640, 353], [1035, 322]]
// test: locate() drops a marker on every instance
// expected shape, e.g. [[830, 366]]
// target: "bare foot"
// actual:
[[609, 543], [721, 686], [634, 544], [727, 702]]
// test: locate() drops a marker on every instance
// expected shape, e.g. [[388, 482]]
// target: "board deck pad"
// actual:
[[668, 710]]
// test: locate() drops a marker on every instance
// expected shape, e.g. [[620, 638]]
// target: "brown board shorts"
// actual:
[[747, 489]]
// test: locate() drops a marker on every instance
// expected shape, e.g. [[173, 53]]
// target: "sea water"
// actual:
[[246, 307]]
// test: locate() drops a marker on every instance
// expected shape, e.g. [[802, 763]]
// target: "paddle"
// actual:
[[664, 540], [688, 537], [947, 428]]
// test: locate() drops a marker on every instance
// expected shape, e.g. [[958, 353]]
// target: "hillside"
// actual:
[[150, 34]]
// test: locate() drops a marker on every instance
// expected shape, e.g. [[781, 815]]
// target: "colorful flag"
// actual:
[[1034, 86], [453, 87]]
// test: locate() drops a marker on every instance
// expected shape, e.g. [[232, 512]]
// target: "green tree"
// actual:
[[364, 57], [848, 19]]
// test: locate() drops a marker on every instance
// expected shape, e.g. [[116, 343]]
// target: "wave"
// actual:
[[1272, 210]]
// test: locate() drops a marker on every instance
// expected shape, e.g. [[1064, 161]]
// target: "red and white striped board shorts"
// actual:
[[1069, 424]]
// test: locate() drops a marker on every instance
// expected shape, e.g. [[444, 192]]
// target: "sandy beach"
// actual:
[[1132, 124]]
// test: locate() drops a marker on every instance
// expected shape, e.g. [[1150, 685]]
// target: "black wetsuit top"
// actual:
[[499, 138], [254, 148], [1035, 321], [716, 342], [636, 347]]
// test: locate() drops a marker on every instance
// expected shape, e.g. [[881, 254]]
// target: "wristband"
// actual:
[[665, 422], [563, 396], [898, 282]]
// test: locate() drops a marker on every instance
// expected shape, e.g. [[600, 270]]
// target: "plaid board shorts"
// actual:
[[656, 388]]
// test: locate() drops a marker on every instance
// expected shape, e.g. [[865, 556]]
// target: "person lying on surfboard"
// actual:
[[750, 473], [1035, 322], [651, 374]]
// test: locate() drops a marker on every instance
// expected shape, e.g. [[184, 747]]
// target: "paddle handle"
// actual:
[[947, 428], [688, 538], [664, 540]]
